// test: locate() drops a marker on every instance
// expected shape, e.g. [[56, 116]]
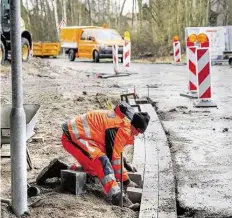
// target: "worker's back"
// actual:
[[97, 126]]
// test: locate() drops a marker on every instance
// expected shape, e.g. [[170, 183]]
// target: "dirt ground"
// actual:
[[200, 138], [62, 94]]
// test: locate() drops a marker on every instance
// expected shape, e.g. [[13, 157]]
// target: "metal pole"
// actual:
[[121, 182], [17, 117]]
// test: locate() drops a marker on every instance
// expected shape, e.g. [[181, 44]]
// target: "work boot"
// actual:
[[116, 200], [52, 170]]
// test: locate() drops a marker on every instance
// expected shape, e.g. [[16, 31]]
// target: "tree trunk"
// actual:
[[64, 11], [90, 13], [56, 17], [132, 11], [108, 13]]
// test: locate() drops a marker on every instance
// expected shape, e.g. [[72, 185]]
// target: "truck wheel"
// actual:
[[25, 50], [71, 55], [96, 58], [230, 61], [2, 53]]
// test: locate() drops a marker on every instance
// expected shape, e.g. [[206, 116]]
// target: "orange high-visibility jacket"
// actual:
[[104, 130]]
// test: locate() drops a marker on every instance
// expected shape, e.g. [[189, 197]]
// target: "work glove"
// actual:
[[129, 183], [126, 202], [135, 207], [132, 184], [129, 167]]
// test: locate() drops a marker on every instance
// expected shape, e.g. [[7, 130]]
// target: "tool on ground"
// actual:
[[121, 184], [32, 190]]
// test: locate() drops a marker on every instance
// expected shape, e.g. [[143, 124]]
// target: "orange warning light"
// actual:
[[105, 25], [202, 38], [192, 38], [175, 38]]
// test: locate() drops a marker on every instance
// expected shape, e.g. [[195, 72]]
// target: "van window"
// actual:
[[107, 34], [84, 35], [89, 34]]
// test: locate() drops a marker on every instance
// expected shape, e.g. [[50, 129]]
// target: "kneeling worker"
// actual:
[[96, 140]]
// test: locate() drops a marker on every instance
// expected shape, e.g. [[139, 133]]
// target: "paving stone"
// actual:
[[167, 204], [139, 155], [136, 177], [152, 167], [167, 214], [148, 108], [131, 101], [150, 183], [73, 181], [134, 194], [149, 207], [141, 101], [38, 139], [157, 129]]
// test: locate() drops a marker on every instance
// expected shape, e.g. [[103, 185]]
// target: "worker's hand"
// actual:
[[132, 184], [129, 167], [135, 207], [129, 183], [134, 169]]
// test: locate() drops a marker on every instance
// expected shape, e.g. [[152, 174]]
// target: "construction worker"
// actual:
[[96, 140]]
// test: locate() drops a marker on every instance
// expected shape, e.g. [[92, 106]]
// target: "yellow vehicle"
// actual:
[[45, 49], [90, 42]]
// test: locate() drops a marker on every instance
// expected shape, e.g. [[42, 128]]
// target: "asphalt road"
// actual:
[[200, 138]]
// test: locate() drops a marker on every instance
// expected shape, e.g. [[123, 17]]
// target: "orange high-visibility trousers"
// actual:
[[100, 166]]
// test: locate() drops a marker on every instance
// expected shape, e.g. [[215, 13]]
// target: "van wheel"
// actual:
[[96, 56], [25, 50], [2, 53], [71, 55], [230, 62]]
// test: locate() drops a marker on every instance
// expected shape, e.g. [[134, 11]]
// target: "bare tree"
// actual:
[[64, 4], [56, 16]]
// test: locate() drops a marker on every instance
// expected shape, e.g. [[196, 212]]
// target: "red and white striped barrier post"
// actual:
[[204, 73], [204, 79], [176, 50], [192, 61], [191, 66], [126, 54], [115, 58]]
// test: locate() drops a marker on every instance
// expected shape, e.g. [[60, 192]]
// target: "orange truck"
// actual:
[[46, 49], [90, 42]]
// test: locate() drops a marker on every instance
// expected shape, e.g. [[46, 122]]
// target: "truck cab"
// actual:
[[26, 37]]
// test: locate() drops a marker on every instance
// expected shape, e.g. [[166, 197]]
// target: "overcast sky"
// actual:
[[127, 7]]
